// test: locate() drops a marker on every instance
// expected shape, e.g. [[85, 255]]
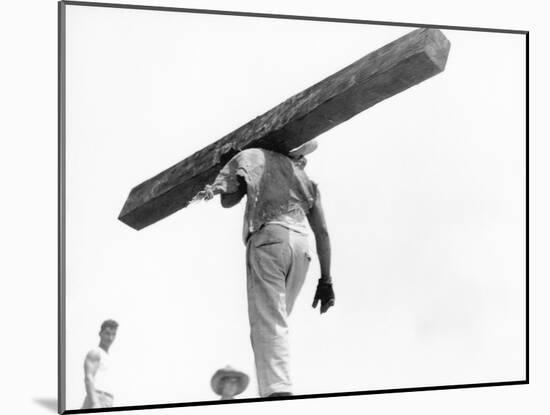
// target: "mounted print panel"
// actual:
[[414, 257]]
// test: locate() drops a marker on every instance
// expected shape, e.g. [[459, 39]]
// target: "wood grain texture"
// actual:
[[379, 75]]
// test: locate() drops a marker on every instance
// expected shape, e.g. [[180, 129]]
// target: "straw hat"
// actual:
[[303, 150], [229, 372]]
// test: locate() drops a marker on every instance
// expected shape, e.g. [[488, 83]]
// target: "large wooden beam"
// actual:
[[381, 74]]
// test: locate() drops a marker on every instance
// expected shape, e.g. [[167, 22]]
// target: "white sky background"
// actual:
[[424, 197]]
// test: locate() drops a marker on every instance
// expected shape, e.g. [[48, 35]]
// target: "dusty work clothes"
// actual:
[[277, 262], [277, 189], [279, 195]]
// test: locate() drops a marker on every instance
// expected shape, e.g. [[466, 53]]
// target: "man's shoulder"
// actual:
[[250, 156], [252, 152], [94, 354], [261, 158]]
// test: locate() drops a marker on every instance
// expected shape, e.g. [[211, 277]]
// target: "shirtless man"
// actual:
[[99, 393], [281, 200]]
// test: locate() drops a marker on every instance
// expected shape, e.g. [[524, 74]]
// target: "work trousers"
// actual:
[[105, 400], [277, 263]]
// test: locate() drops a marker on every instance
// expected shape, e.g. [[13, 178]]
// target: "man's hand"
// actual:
[[206, 194], [325, 294]]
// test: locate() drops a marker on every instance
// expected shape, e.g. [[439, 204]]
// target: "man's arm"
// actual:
[[316, 219], [229, 183], [91, 364]]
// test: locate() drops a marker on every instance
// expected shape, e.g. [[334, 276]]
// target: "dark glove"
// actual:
[[325, 293]]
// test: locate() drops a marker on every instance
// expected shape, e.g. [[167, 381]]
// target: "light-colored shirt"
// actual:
[[102, 379], [278, 189]]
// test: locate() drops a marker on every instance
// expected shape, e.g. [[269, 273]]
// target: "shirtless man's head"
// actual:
[[107, 334]]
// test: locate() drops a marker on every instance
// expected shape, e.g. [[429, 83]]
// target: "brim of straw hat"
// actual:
[[303, 150]]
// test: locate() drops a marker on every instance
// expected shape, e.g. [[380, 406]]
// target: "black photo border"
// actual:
[[62, 205]]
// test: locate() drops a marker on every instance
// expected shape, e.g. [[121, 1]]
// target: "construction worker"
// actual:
[[99, 389], [280, 197]]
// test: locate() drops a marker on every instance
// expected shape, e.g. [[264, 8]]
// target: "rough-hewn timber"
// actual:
[[387, 71]]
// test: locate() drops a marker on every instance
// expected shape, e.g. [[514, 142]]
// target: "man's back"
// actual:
[[278, 189]]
